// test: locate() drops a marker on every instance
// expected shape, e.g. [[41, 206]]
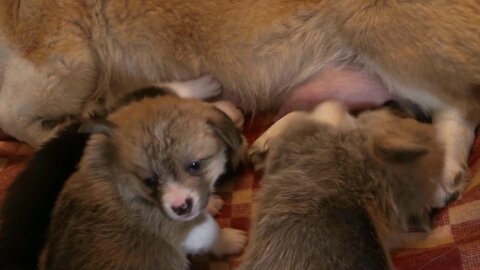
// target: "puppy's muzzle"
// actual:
[[183, 209]]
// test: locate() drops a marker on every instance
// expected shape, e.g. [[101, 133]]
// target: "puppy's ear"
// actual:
[[97, 126], [226, 129], [397, 149]]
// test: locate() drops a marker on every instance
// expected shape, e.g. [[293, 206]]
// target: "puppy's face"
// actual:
[[169, 152]]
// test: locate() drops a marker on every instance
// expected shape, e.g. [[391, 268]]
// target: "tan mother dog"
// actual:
[[73, 58]]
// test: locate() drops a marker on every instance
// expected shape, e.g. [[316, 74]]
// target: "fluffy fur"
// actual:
[[339, 192], [72, 58], [127, 205]]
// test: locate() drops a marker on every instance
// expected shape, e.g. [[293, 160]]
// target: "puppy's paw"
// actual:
[[258, 151], [202, 88], [230, 241], [232, 111], [215, 204]]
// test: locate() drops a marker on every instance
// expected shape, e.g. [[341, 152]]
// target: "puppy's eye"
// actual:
[[152, 181], [194, 167]]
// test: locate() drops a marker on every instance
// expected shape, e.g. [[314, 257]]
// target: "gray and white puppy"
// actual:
[[339, 192], [139, 197]]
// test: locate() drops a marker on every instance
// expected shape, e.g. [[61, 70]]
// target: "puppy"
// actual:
[[339, 192], [89, 53], [26, 210], [139, 197]]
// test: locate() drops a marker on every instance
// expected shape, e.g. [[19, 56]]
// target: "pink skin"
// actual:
[[176, 196], [356, 89]]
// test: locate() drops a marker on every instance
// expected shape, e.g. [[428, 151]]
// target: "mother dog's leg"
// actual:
[[42, 89], [456, 133]]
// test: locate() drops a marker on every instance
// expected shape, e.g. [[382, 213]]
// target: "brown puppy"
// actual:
[[139, 197], [339, 192], [69, 58]]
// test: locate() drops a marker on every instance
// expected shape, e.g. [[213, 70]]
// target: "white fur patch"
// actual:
[[441, 197], [457, 136], [202, 237], [201, 88]]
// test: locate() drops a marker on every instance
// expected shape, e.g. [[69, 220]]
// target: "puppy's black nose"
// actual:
[[185, 208]]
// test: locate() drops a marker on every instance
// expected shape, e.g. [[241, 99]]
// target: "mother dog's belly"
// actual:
[[355, 88]]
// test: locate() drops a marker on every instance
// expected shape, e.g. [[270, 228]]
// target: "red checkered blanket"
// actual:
[[453, 244]]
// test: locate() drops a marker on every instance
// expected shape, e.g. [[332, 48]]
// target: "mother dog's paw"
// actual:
[[455, 176]]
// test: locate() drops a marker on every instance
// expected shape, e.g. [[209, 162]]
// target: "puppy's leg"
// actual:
[[202, 88], [259, 148], [230, 241], [215, 204], [457, 135]]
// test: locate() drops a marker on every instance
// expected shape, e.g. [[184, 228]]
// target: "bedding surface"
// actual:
[[453, 244]]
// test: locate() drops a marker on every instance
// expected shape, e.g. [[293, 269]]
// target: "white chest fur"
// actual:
[[202, 237]]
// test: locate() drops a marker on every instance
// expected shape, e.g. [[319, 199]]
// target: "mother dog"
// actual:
[[63, 59]]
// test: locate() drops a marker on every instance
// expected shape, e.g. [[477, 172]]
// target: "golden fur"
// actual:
[[411, 43], [70, 58]]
